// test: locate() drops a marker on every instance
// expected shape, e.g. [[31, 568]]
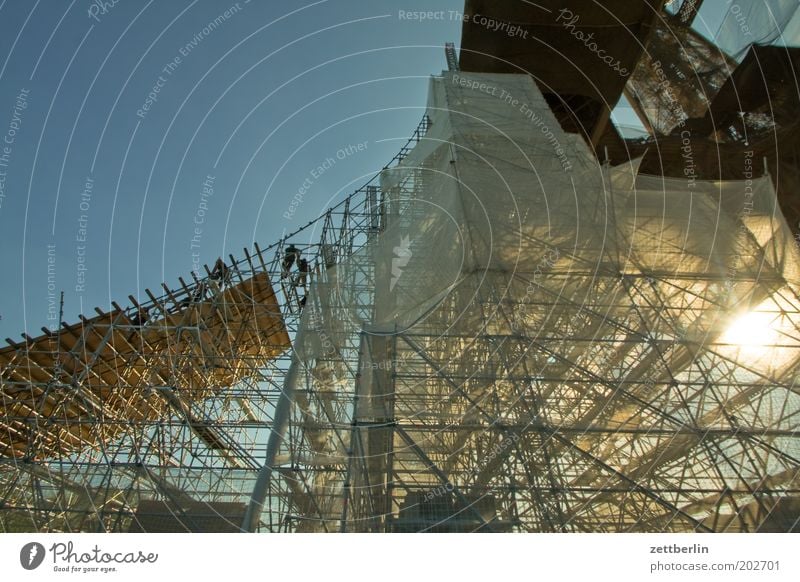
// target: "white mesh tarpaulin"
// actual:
[[757, 22], [550, 344]]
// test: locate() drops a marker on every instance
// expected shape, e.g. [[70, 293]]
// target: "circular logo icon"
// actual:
[[31, 555]]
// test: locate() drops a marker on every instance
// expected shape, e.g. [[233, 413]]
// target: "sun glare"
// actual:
[[752, 330]]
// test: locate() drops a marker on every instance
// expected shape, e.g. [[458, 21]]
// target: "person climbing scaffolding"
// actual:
[[291, 254], [303, 270], [220, 271], [140, 317]]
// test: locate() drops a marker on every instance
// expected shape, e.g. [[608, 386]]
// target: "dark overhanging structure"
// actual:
[[579, 87], [731, 109]]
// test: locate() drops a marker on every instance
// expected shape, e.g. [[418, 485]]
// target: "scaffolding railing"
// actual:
[[165, 406]]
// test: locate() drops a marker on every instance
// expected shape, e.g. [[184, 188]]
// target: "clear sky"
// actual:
[[256, 97]]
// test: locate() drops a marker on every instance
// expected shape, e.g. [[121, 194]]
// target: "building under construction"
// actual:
[[527, 322]]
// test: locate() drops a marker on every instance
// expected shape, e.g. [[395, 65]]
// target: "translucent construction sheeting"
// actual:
[[756, 22], [677, 77], [538, 343]]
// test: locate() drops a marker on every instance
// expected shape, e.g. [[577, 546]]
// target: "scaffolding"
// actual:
[[497, 333], [156, 416], [538, 342], [677, 77]]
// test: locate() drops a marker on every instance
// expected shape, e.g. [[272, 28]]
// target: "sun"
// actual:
[[752, 330]]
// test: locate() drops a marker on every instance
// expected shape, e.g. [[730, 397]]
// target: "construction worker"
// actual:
[[291, 254], [195, 297], [220, 271], [140, 317], [303, 269]]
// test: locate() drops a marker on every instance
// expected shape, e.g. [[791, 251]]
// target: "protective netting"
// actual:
[[756, 22], [677, 77], [535, 342]]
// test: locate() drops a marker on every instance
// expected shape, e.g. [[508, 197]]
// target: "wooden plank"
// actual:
[[121, 360]]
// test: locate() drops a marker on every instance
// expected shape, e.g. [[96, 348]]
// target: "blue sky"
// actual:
[[257, 101]]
